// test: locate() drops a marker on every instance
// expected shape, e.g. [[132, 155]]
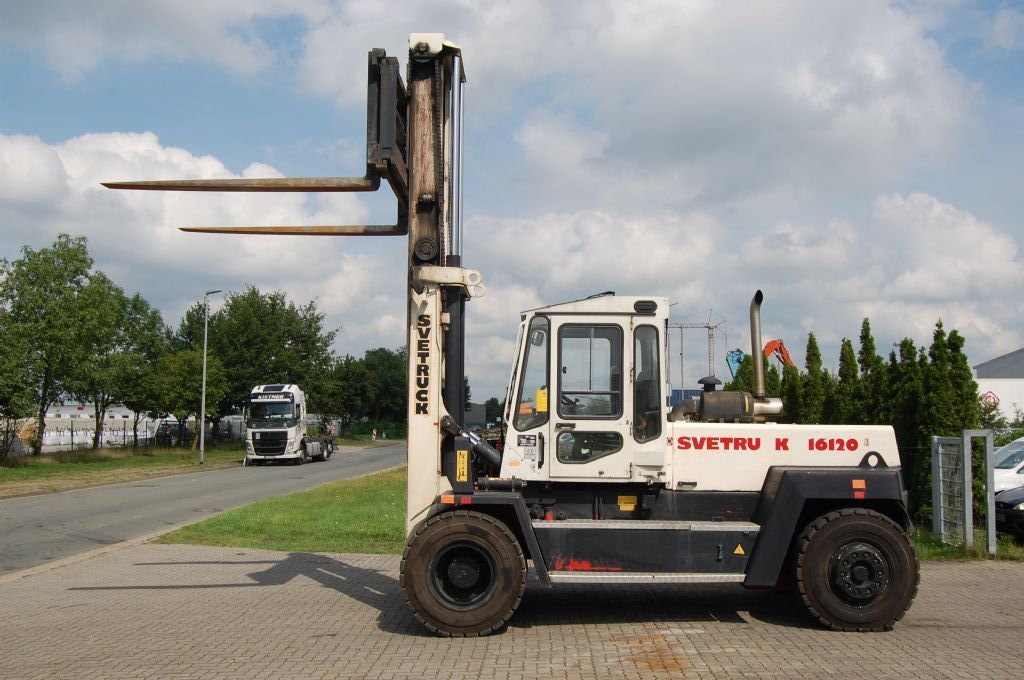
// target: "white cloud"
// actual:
[[673, 102], [30, 171], [133, 236], [1006, 30], [947, 254], [77, 36]]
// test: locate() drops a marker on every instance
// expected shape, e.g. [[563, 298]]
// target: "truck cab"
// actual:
[[587, 398], [277, 427]]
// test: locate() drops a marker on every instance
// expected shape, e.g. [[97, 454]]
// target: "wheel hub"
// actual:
[[860, 572], [464, 572]]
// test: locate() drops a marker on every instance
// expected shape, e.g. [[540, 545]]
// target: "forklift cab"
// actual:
[[587, 398]]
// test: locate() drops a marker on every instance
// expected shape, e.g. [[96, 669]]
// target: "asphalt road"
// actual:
[[40, 529]]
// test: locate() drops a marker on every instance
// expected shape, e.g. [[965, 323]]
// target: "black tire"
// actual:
[[463, 574], [856, 570]]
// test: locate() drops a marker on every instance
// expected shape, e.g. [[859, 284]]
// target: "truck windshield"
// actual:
[[269, 414]]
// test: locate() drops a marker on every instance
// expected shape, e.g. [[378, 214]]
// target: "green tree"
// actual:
[[181, 390], [492, 410], [44, 295], [743, 381], [904, 393], [15, 390], [341, 395], [94, 378], [262, 338], [940, 410], [385, 384], [143, 340], [772, 381], [871, 397], [965, 389], [792, 395], [842, 406], [813, 385]]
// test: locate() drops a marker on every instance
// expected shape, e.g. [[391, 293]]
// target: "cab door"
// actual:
[[589, 430]]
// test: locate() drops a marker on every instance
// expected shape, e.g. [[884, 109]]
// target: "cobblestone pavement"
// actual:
[[165, 611]]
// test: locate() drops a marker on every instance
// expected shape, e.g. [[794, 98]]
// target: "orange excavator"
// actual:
[[778, 348], [773, 347]]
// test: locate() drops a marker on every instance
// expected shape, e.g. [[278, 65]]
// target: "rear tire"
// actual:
[[856, 570], [463, 574]]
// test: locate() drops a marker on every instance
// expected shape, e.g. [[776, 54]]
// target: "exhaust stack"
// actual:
[[755, 344], [764, 408]]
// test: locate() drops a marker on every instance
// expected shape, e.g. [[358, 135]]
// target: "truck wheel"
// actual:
[[856, 570], [463, 574]]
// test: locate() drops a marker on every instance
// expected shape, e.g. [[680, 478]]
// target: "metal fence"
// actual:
[[953, 489]]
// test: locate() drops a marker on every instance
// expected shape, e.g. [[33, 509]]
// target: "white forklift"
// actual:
[[596, 480]]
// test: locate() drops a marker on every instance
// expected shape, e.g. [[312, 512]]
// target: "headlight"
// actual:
[[1019, 506], [248, 446]]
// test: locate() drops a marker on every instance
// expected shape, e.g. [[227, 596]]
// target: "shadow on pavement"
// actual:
[[671, 604], [560, 605], [369, 586]]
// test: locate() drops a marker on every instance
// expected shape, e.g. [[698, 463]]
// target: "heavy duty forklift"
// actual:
[[596, 479]]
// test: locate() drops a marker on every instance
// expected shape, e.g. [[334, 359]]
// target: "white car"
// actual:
[[1009, 469]]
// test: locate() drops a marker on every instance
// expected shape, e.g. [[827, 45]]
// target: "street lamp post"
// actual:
[[202, 406]]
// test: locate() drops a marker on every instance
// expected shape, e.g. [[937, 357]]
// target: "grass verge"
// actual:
[[363, 515], [929, 547], [68, 470], [77, 469], [368, 515]]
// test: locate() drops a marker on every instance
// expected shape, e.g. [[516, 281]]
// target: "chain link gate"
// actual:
[[952, 491]]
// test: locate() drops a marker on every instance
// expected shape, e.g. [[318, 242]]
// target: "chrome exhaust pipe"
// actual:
[[764, 408], [755, 344]]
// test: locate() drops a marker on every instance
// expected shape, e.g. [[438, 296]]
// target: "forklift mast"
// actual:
[[414, 142]]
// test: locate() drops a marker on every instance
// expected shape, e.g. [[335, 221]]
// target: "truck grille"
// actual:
[[269, 443]]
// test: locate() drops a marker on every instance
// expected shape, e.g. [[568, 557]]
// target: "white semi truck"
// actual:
[[597, 480], [278, 427]]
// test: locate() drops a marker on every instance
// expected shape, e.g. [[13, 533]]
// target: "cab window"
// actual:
[[590, 371], [583, 447], [532, 403], [647, 401]]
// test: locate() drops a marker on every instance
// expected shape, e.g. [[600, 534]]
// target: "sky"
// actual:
[[851, 159]]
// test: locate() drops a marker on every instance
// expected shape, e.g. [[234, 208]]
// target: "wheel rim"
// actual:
[[860, 573], [462, 575]]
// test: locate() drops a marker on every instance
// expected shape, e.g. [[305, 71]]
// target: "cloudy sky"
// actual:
[[852, 159]]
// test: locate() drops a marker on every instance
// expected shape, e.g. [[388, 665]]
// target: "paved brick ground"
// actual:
[[156, 611]]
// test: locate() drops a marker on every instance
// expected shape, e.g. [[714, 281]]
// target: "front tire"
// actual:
[[463, 574], [856, 570]]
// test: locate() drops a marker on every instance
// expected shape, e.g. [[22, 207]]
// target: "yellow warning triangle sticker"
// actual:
[[739, 550]]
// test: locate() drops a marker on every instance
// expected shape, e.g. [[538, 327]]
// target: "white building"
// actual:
[[1001, 381]]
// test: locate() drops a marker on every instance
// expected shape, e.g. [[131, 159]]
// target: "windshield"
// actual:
[[1010, 456], [270, 414], [515, 369]]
